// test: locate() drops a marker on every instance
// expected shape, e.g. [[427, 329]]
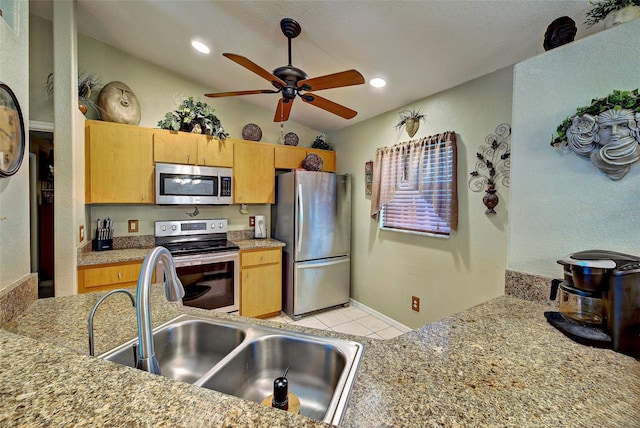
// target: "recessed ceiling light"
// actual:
[[200, 47], [377, 82]]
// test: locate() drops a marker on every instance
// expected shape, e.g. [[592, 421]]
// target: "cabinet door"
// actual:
[[119, 165], [328, 158], [287, 157], [215, 152], [175, 147], [253, 173], [261, 291]]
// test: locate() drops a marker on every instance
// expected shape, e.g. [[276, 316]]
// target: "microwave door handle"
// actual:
[[300, 218], [219, 187]]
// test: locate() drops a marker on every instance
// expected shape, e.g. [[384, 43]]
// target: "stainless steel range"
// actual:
[[207, 263]]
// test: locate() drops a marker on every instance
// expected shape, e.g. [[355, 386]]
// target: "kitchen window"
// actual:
[[415, 186]]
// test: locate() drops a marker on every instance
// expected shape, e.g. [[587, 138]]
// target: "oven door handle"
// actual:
[[300, 218]]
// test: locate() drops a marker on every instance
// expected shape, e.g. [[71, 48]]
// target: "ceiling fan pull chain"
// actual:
[[281, 126]]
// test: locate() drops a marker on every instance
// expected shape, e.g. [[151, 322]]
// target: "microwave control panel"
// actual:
[[225, 186]]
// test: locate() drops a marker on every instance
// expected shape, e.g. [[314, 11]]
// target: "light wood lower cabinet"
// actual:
[[261, 282], [108, 276]]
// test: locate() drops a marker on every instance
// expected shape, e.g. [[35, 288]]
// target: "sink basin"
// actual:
[[186, 350], [315, 370], [243, 360]]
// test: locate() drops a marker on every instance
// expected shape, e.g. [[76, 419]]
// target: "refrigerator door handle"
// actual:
[[300, 218], [320, 264]]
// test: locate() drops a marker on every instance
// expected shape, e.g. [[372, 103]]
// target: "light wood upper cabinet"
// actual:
[[191, 149], [261, 282], [119, 165], [215, 152], [253, 173], [328, 158], [174, 147], [287, 157]]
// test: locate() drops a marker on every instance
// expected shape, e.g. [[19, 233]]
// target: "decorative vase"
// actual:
[[621, 16], [82, 107], [490, 200], [119, 104], [411, 125]]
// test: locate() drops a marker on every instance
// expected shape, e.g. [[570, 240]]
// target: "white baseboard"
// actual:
[[403, 328]]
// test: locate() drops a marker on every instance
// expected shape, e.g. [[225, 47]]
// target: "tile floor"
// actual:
[[349, 320]]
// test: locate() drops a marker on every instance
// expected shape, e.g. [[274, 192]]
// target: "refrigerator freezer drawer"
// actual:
[[320, 284]]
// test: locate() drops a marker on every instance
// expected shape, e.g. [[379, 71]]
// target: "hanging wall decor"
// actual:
[[606, 132], [410, 121], [493, 165], [368, 177]]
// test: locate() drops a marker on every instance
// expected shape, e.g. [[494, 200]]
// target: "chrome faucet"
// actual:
[[147, 359], [93, 312]]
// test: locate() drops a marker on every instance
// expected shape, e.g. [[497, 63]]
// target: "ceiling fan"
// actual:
[[290, 81]]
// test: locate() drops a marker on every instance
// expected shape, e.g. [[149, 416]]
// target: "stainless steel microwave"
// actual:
[[193, 185]]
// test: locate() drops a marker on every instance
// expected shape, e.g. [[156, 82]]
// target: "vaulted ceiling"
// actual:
[[419, 47]]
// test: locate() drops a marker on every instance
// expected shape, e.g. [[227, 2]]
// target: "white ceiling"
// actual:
[[419, 47]]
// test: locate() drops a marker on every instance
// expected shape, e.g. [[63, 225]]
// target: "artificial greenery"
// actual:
[[320, 143], [194, 116], [600, 9], [616, 100], [405, 115]]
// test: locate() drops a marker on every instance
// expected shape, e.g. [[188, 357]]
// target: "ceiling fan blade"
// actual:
[[283, 110], [335, 80], [252, 66], [233, 94], [329, 106]]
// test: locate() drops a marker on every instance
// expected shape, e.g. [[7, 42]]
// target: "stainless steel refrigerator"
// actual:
[[313, 217]]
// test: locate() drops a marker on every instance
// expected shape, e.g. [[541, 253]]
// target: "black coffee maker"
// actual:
[[599, 300]]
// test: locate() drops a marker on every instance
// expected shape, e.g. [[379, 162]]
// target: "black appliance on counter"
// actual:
[[206, 262], [599, 300]]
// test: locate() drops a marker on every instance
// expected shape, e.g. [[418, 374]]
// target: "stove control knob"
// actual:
[[164, 228], [174, 227]]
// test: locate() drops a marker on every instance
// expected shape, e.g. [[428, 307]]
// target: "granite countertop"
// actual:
[[497, 364], [89, 258]]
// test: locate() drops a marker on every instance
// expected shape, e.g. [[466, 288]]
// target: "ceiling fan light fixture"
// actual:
[[378, 82], [200, 46]]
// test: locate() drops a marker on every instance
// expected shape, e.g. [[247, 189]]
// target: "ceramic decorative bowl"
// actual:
[[291, 139], [251, 132]]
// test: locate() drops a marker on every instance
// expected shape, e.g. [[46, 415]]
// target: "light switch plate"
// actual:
[[133, 226], [252, 221]]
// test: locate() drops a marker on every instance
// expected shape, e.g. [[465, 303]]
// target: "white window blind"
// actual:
[[422, 177]]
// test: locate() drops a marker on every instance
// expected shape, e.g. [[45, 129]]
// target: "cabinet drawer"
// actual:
[[111, 276], [261, 257]]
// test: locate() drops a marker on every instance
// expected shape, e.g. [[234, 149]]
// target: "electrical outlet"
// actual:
[[81, 234], [252, 221], [133, 226], [415, 303]]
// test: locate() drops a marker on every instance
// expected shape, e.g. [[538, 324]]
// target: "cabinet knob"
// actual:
[[119, 275], [143, 196]]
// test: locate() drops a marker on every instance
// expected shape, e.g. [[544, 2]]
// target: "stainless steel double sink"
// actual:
[[244, 359]]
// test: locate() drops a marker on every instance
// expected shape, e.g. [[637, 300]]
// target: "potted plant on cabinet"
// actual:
[[87, 83], [612, 12], [194, 116]]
